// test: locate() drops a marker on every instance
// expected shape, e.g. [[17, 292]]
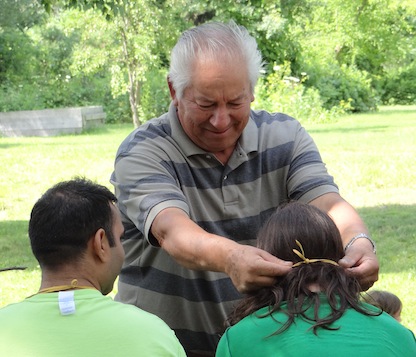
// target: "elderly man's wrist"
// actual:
[[361, 236]]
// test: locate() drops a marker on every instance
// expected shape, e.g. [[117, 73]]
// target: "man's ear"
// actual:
[[100, 245], [172, 92]]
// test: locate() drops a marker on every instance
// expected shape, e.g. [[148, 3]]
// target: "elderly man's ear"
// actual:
[[172, 92]]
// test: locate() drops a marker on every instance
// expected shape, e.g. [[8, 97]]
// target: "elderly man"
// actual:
[[195, 185]]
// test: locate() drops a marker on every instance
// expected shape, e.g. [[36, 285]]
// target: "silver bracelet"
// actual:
[[361, 235]]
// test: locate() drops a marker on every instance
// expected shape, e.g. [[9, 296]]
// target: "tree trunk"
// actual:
[[134, 83], [134, 87]]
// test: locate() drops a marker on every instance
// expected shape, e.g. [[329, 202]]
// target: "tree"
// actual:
[[140, 36], [351, 51], [21, 14], [16, 50]]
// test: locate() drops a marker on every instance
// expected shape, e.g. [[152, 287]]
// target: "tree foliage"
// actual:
[[339, 55]]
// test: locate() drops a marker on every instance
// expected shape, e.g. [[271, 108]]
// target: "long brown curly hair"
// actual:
[[320, 239]]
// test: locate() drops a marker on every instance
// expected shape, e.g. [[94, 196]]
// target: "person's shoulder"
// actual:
[[381, 321], [398, 332], [136, 315], [155, 126], [260, 319], [273, 127], [17, 306], [264, 117], [151, 328], [11, 315], [10, 308], [147, 132]]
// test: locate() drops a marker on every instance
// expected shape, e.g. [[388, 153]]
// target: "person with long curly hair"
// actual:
[[315, 309]]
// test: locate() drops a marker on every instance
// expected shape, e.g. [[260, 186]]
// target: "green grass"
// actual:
[[371, 156]]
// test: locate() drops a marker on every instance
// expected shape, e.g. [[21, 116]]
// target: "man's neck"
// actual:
[[66, 281]]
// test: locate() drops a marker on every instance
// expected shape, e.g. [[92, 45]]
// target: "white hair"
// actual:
[[210, 41]]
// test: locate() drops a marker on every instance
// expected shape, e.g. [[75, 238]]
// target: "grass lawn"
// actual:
[[371, 156]]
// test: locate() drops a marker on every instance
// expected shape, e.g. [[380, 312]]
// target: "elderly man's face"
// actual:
[[215, 107]]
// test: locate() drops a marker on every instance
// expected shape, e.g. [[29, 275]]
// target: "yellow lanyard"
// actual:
[[53, 289]]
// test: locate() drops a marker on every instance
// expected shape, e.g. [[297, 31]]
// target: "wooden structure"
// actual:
[[50, 122]]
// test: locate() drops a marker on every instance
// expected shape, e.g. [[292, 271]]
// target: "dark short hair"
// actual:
[[65, 218], [320, 239]]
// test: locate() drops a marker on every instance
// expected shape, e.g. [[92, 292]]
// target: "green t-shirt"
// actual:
[[358, 335], [95, 325]]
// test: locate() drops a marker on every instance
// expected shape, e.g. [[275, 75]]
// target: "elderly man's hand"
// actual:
[[360, 261], [251, 268]]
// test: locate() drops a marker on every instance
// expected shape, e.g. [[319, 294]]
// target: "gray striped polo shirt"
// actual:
[[158, 166]]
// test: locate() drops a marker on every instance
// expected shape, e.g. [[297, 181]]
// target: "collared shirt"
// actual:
[[158, 166]]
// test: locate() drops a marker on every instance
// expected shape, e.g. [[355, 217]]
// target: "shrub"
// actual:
[[20, 97], [117, 109], [154, 96], [280, 92], [400, 87], [344, 84]]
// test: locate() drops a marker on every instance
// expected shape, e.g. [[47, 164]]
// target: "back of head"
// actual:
[[384, 300], [65, 218], [315, 273], [314, 229], [213, 41]]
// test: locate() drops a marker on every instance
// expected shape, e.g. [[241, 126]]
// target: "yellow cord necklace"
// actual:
[[74, 285]]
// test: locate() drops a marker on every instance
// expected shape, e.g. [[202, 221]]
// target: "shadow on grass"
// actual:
[[393, 229], [8, 145], [15, 248], [345, 130]]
